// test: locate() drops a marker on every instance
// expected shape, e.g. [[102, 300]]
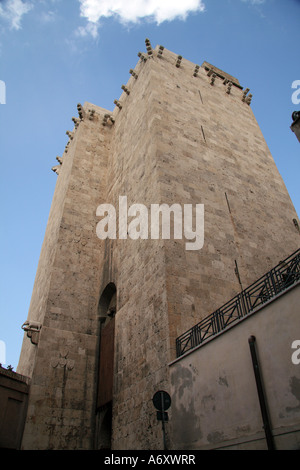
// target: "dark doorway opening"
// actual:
[[106, 312]]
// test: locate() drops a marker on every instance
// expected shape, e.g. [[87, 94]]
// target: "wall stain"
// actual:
[[223, 381], [185, 422], [295, 390], [215, 437], [208, 402]]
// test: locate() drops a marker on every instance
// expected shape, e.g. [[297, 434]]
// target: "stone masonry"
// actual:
[[179, 133]]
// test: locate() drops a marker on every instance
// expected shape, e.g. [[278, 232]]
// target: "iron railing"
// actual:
[[286, 273]]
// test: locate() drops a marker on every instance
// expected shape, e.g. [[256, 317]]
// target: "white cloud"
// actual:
[[90, 28], [131, 11], [13, 11]]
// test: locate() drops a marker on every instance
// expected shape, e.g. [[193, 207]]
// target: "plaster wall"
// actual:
[[215, 402]]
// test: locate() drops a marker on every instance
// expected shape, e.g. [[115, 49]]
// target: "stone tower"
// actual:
[[105, 313]]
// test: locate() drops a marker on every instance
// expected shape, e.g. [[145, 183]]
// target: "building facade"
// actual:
[[105, 313], [14, 390]]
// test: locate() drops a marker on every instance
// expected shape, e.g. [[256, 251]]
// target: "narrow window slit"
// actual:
[[200, 96], [228, 203], [236, 270]]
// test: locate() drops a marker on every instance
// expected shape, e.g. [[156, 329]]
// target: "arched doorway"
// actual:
[[106, 311]]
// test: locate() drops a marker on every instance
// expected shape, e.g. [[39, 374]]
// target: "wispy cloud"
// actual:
[[13, 11], [135, 10], [90, 29], [48, 16]]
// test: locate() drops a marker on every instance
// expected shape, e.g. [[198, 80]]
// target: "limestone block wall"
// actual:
[[65, 298], [210, 150], [181, 139], [141, 339]]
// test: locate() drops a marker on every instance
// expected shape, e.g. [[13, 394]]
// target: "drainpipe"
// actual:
[[261, 395]]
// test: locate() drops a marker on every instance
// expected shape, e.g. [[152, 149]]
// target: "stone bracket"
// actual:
[[32, 329]]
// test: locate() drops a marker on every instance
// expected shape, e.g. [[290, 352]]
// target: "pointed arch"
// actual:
[[107, 309]]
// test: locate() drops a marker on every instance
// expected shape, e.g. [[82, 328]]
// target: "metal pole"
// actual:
[[163, 420], [261, 396]]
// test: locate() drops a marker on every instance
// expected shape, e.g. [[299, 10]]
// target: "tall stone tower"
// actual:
[[105, 313]]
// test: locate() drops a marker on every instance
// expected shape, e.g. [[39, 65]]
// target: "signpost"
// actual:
[[162, 402]]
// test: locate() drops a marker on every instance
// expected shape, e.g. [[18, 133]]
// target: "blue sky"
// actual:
[[57, 53]]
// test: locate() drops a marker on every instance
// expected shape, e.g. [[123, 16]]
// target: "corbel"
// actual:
[[56, 169], [228, 90], [142, 57], [132, 72], [179, 59], [80, 111], [118, 104], [196, 70], [148, 47], [32, 329], [67, 147], [213, 78], [125, 89], [160, 51], [248, 99], [245, 94], [70, 134], [76, 122], [91, 114], [106, 118]]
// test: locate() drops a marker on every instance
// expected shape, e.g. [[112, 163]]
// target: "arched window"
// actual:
[[107, 304]]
